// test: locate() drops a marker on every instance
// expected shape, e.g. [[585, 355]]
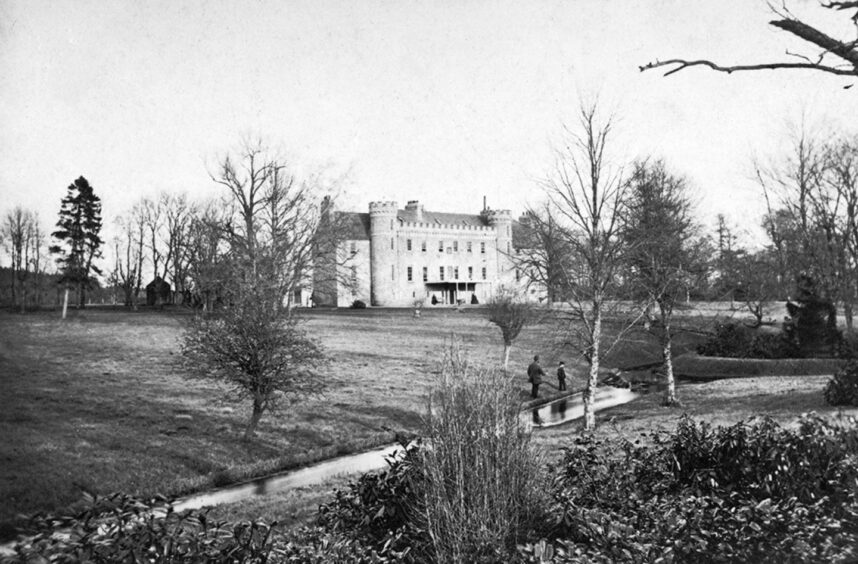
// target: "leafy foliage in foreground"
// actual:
[[122, 528], [842, 389], [747, 493]]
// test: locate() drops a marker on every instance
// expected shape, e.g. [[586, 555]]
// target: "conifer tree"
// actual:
[[78, 234]]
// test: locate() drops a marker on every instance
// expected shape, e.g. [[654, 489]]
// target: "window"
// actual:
[[408, 274], [354, 275], [470, 273], [456, 273], [408, 244], [423, 246], [517, 275], [392, 272], [484, 273], [391, 225], [508, 247], [353, 247], [441, 271], [469, 247], [426, 274], [391, 243], [440, 246], [483, 247], [450, 272], [507, 231], [455, 246]]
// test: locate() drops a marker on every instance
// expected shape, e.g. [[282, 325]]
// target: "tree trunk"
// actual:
[[81, 292], [667, 355], [593, 380], [847, 314], [506, 348], [254, 420]]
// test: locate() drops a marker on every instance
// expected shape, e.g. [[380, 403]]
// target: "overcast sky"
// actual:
[[445, 102]]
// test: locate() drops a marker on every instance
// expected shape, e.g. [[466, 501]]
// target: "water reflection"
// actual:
[[571, 407]]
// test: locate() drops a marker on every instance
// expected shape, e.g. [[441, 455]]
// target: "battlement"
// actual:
[[382, 208], [495, 216], [442, 226]]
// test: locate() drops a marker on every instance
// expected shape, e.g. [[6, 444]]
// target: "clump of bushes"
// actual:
[[753, 492], [358, 304], [842, 389], [122, 528], [733, 340]]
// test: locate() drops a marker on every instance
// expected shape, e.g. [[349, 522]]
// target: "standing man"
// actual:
[[535, 374], [561, 377]]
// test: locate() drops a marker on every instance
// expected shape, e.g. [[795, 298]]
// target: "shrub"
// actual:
[[842, 389], [377, 509], [122, 528], [772, 346], [747, 493], [484, 483], [358, 304], [730, 340]]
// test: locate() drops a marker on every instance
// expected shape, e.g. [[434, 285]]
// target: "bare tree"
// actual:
[[664, 255], [587, 192], [128, 257], [834, 56], [150, 212], [510, 313], [207, 255], [544, 253], [808, 216], [178, 214], [24, 239]]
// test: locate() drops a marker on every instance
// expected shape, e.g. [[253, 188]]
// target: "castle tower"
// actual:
[[382, 252], [501, 220]]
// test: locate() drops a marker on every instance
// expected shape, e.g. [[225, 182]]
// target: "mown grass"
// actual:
[[101, 402]]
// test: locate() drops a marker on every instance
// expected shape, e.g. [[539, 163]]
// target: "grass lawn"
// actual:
[[102, 403]]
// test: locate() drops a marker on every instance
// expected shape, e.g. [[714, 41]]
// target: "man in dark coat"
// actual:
[[561, 377], [534, 375]]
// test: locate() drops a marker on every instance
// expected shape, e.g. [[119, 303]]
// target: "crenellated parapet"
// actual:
[[382, 208], [445, 226], [499, 216]]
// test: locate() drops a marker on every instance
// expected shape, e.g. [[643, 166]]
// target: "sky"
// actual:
[[444, 102]]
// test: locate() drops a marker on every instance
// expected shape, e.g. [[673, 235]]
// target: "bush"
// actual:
[[122, 528], [358, 304], [747, 493], [484, 489], [377, 510], [772, 346], [842, 389], [730, 340], [733, 340]]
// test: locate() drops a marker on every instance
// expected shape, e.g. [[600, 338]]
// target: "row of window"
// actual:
[[452, 249], [452, 273]]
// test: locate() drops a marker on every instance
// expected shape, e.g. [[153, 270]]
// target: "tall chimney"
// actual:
[[484, 202]]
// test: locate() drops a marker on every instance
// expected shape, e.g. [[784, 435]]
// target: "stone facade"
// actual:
[[398, 257]]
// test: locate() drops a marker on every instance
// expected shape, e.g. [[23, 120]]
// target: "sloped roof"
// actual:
[[355, 226], [441, 218]]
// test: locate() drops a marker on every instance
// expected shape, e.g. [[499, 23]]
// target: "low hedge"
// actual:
[[716, 368]]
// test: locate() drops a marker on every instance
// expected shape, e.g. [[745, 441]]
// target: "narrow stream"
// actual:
[[546, 415], [552, 413]]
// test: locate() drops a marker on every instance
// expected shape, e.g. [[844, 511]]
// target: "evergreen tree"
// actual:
[[78, 233]]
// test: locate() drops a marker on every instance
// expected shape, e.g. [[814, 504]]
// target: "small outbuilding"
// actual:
[[158, 292]]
